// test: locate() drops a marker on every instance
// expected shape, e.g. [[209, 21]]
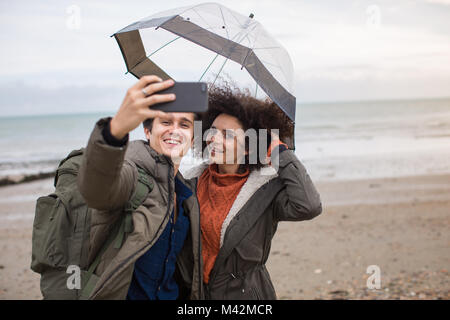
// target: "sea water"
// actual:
[[345, 140]]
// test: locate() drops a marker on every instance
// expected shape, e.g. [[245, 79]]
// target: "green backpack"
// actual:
[[61, 227]]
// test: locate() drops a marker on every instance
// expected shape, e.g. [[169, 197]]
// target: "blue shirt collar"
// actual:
[[183, 192]]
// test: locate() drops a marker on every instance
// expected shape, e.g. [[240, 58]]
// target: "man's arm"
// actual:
[[105, 180]]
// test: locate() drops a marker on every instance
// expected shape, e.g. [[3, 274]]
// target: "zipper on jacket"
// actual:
[[213, 274], [199, 244]]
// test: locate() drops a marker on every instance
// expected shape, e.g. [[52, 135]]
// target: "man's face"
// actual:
[[172, 136]]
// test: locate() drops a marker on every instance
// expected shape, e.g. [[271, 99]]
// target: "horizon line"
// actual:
[[298, 103]]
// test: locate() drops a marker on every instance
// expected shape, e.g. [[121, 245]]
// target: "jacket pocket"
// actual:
[[88, 285], [242, 287], [45, 251]]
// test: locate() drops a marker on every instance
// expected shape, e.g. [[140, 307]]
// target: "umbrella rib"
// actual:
[[213, 62], [163, 46], [250, 50], [218, 73], [276, 66], [155, 52], [160, 49], [223, 65], [202, 18], [226, 27], [209, 66], [232, 14]]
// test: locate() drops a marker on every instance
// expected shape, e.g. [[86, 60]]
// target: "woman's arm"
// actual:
[[299, 200]]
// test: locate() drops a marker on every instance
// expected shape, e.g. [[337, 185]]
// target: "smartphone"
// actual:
[[190, 97]]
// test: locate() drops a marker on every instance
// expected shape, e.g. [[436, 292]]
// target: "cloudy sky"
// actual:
[[58, 57]]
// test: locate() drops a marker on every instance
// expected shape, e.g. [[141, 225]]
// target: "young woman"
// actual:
[[241, 201]]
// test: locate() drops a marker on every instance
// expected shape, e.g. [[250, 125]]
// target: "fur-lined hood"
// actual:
[[256, 180]]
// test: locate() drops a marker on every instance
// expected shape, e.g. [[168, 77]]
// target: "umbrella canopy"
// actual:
[[224, 34]]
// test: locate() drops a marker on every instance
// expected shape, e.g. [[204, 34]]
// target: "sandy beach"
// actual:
[[399, 224]]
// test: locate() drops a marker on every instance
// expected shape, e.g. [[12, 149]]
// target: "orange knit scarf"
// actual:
[[216, 193]]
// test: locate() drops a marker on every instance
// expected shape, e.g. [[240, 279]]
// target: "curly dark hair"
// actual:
[[252, 114]]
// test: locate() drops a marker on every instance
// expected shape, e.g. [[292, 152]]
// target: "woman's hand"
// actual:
[[275, 143], [135, 106]]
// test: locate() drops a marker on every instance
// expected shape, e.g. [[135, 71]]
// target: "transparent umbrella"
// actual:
[[209, 41]]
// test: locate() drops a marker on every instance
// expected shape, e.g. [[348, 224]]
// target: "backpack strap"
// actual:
[[89, 281], [60, 170], [143, 188]]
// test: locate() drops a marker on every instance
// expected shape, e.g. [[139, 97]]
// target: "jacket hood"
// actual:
[[140, 153], [195, 171]]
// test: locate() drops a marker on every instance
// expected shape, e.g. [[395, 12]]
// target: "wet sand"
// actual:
[[399, 224]]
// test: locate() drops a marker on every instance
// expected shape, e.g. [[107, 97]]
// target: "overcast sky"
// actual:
[[58, 57]]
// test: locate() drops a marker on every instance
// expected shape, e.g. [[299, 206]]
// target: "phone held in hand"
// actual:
[[190, 97]]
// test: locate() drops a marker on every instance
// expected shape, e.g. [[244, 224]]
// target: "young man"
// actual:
[[165, 240]]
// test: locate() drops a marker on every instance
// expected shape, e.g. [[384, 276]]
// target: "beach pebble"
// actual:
[[317, 271], [339, 292]]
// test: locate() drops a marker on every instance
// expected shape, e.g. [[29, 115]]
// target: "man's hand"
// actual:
[[135, 106]]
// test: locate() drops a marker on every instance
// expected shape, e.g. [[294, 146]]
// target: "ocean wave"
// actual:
[[13, 172]]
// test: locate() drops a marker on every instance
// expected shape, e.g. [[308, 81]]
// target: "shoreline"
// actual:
[[15, 179], [23, 178]]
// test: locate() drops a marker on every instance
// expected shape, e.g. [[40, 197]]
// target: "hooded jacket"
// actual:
[[267, 197], [107, 180]]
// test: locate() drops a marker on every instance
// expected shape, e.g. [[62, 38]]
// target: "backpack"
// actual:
[[61, 228]]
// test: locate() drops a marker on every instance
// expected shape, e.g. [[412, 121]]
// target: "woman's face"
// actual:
[[226, 140]]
